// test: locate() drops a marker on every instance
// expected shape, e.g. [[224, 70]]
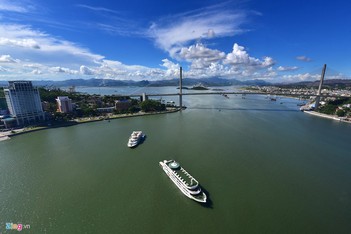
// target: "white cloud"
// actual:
[[240, 57], [303, 58], [281, 68], [200, 56], [177, 31], [36, 72], [98, 9], [85, 70], [300, 77], [172, 68], [12, 6], [26, 43], [63, 70], [268, 62], [7, 59]]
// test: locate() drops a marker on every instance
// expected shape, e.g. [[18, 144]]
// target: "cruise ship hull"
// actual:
[[135, 139], [192, 191]]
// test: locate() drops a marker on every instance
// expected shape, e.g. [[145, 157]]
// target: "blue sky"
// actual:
[[277, 41]]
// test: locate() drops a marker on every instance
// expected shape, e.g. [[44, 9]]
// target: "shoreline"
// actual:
[[7, 135], [333, 117]]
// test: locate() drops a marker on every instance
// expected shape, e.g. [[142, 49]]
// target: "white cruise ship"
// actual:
[[187, 184], [135, 138]]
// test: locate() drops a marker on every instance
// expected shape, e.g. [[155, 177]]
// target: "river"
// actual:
[[266, 167]]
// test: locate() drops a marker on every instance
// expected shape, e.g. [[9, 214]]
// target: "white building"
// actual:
[[64, 104], [23, 102]]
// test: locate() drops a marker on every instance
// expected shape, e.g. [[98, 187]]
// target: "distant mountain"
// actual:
[[207, 82], [211, 82], [335, 83], [113, 83]]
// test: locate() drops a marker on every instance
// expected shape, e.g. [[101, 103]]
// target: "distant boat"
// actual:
[[135, 138]]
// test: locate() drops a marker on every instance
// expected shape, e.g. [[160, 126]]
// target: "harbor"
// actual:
[[252, 158]]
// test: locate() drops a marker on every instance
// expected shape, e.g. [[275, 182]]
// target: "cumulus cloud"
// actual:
[[267, 62], [281, 68], [172, 68], [303, 58], [200, 56], [240, 57], [63, 70], [85, 70], [7, 59], [177, 31]]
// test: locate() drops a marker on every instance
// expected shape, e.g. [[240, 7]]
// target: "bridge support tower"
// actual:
[[180, 88], [318, 97]]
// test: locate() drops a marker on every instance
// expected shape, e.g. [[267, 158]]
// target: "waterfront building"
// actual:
[[8, 122], [121, 105], [64, 104], [105, 109], [23, 102]]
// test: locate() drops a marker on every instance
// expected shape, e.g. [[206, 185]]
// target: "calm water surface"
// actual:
[[267, 167]]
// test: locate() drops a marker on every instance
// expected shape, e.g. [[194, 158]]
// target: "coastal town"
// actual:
[[336, 102], [24, 107]]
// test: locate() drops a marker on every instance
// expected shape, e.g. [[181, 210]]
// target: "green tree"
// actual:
[[52, 94], [134, 109], [152, 105], [340, 113]]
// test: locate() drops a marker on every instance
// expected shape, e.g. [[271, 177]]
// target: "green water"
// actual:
[[267, 167]]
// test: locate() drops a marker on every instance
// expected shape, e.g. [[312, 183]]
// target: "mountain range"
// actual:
[[94, 82], [159, 83]]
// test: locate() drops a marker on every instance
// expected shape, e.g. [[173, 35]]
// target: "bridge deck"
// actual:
[[239, 93]]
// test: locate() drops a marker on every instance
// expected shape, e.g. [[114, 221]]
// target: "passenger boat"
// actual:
[[186, 183], [135, 138]]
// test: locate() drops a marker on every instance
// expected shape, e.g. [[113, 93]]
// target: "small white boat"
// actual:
[[135, 138]]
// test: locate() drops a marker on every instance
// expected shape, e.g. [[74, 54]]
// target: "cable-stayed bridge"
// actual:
[[290, 93]]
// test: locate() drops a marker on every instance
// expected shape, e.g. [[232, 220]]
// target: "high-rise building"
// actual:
[[23, 102], [64, 104]]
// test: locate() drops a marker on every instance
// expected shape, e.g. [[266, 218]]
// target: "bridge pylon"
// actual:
[[180, 88], [318, 97]]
